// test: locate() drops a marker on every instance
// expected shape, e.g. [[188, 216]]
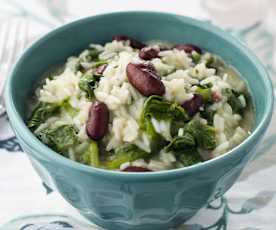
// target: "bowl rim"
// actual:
[[42, 151]]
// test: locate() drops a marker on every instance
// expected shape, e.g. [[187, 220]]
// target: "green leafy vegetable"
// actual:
[[205, 92], [42, 112], [91, 155], [88, 83], [215, 63], [204, 135], [93, 54], [189, 156], [184, 148], [68, 108], [45, 110], [99, 63], [175, 126], [60, 138], [233, 100], [126, 153], [195, 57], [181, 142], [89, 55], [208, 114], [160, 109]]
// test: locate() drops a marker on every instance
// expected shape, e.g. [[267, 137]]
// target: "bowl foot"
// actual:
[[152, 225]]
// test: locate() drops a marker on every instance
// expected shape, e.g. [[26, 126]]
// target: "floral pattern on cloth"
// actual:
[[7, 139], [249, 205]]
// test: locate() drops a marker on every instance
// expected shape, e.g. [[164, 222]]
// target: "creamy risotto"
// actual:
[[139, 107]]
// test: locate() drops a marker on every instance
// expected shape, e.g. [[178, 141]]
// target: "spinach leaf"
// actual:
[[93, 54], [60, 139], [208, 114], [41, 113], [205, 92], [161, 109], [195, 57], [88, 83], [68, 108], [233, 100], [216, 63], [189, 156], [175, 126], [45, 110], [181, 142], [204, 135], [184, 148], [91, 155], [126, 153], [99, 63]]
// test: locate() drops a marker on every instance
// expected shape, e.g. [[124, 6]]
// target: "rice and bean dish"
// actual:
[[141, 107]]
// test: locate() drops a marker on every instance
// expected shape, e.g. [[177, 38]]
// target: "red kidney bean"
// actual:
[[100, 69], [189, 48], [97, 124], [192, 106], [136, 169], [144, 79], [133, 43], [148, 53]]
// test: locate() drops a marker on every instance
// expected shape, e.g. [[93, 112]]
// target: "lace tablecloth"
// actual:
[[249, 205]]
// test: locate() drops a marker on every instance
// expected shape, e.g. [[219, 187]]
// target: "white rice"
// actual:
[[176, 58], [175, 90]]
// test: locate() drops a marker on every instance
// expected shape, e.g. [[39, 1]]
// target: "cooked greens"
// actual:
[[161, 109], [195, 57], [91, 155], [181, 142], [205, 92], [92, 55], [65, 105], [99, 63], [88, 83], [42, 112], [126, 153], [204, 135], [234, 101], [158, 108], [208, 114], [195, 135], [189, 156], [60, 138]]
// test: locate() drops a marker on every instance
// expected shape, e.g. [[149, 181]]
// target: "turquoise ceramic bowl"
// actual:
[[117, 200]]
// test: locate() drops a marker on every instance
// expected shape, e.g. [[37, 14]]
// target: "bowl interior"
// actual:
[[70, 39]]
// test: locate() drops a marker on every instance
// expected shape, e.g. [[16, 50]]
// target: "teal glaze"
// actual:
[[142, 201]]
